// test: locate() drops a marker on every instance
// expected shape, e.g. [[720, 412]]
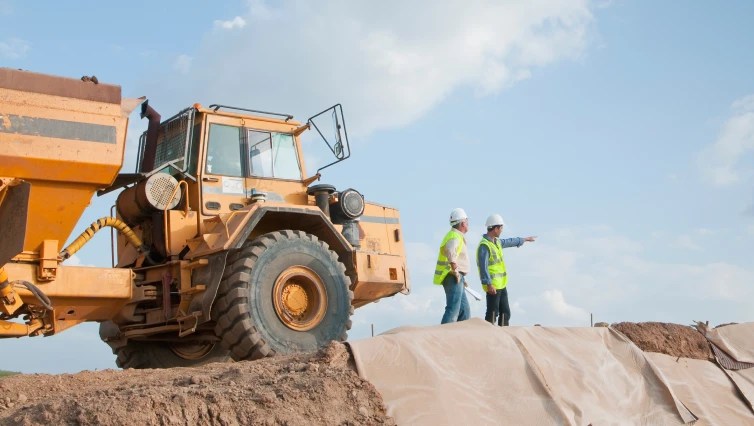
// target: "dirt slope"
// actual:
[[288, 390], [669, 339]]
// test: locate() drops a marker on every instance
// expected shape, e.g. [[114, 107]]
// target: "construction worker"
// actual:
[[452, 267], [492, 272]]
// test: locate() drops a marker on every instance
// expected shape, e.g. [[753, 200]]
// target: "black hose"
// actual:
[[43, 299]]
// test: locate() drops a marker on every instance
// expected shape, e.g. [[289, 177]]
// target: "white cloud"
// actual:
[[716, 282], [691, 241], [686, 242], [387, 68], [749, 210], [695, 234], [618, 279], [182, 64], [599, 239], [602, 4], [705, 232], [568, 274], [14, 48], [73, 261], [720, 163], [237, 22], [259, 10], [627, 285], [744, 104], [557, 303], [516, 308]]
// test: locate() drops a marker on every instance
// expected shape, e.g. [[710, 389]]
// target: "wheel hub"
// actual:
[[295, 300], [192, 351], [300, 298]]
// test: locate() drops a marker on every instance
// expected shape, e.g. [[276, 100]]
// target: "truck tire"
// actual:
[[284, 292], [169, 355]]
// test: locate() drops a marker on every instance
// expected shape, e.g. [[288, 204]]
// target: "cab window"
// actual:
[[224, 151]]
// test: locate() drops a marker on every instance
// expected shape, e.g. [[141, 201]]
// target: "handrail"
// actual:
[[216, 107]]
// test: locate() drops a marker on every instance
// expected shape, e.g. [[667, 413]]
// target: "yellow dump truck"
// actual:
[[226, 247]]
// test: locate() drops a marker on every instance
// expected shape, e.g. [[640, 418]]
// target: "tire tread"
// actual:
[[235, 326]]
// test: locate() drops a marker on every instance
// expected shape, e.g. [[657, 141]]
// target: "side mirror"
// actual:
[[337, 142], [337, 132]]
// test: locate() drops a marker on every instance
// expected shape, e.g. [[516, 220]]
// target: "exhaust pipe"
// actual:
[[322, 193], [150, 145]]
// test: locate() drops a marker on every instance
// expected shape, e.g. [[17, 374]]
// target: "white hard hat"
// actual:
[[457, 215], [494, 220]]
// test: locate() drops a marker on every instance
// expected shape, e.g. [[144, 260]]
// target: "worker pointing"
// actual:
[[492, 269], [452, 267]]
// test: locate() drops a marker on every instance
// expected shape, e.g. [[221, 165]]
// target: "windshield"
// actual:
[[273, 155], [270, 154]]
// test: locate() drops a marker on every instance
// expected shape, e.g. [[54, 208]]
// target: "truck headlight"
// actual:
[[350, 205]]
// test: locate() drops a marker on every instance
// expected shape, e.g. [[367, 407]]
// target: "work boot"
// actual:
[[504, 319]]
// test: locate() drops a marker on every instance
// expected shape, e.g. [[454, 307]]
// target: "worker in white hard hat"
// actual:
[[492, 271], [452, 267]]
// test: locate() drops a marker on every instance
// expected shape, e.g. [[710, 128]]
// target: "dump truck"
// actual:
[[226, 247]]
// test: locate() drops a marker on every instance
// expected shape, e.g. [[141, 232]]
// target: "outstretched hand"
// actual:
[[530, 239]]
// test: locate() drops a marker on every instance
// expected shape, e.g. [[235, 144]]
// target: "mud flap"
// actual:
[[14, 208], [210, 275]]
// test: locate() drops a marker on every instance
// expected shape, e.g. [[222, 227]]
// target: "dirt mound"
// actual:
[[288, 390], [670, 339]]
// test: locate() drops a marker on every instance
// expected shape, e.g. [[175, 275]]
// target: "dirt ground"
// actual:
[[670, 339], [320, 388], [287, 390]]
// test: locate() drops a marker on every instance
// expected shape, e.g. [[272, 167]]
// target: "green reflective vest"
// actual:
[[443, 266], [496, 266]]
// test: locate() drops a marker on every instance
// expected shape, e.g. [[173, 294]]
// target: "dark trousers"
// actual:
[[497, 307]]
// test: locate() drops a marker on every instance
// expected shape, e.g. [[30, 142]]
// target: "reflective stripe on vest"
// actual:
[[443, 266], [496, 265]]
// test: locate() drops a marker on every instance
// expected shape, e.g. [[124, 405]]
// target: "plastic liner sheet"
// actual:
[[728, 362], [744, 381], [733, 346], [475, 373], [705, 389], [737, 340]]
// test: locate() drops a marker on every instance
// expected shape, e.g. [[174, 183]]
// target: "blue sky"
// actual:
[[621, 133]]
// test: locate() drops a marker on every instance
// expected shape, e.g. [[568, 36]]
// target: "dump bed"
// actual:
[[66, 139]]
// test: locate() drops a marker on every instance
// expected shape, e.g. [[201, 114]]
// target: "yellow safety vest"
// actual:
[[443, 266], [496, 266]]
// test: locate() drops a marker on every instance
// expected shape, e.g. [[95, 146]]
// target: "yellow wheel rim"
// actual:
[[300, 298]]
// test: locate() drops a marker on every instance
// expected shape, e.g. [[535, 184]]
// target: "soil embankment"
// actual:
[[300, 389], [665, 338]]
